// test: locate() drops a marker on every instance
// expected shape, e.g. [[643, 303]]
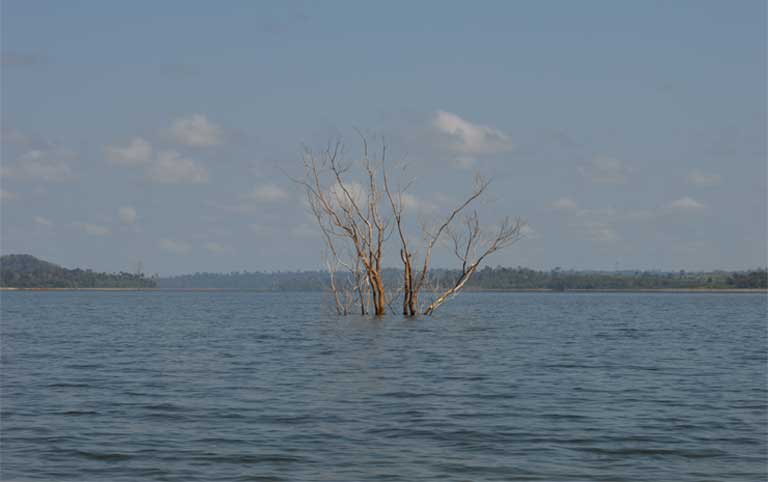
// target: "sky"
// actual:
[[628, 135]]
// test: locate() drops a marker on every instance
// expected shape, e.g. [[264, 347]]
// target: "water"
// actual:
[[129, 386]]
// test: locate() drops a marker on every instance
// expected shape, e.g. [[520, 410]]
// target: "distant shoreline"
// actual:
[[521, 290], [25, 272]]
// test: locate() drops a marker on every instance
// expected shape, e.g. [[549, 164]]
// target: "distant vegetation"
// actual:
[[25, 271], [244, 280], [561, 280], [751, 279], [488, 279]]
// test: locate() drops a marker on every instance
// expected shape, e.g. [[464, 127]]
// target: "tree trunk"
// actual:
[[377, 291], [408, 288]]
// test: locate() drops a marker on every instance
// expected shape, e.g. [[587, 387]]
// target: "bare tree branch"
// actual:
[[349, 214]]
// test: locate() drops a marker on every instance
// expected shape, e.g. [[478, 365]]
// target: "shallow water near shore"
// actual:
[[134, 386]]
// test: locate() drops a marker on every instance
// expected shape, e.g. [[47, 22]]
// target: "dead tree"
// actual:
[[471, 247], [345, 209], [416, 279], [396, 204], [350, 211]]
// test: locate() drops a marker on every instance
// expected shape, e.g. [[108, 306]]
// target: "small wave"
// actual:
[[219, 440], [77, 412], [509, 473], [253, 459], [288, 419], [564, 416], [169, 407], [651, 452], [259, 478], [407, 395], [103, 456], [68, 385]]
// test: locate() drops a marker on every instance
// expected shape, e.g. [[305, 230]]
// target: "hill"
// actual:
[[26, 271]]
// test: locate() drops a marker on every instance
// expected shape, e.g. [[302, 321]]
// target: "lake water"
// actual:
[[135, 386]]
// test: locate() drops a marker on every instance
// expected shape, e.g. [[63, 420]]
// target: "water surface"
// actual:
[[133, 386]]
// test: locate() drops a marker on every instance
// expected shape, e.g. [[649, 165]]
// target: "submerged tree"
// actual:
[[346, 210], [357, 212]]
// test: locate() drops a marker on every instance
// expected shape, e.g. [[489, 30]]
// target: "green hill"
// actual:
[[26, 271]]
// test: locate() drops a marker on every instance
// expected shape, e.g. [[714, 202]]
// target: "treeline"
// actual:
[[752, 279], [260, 281], [488, 278], [244, 280], [562, 280], [25, 271]]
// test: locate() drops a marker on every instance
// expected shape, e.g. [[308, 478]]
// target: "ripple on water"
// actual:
[[223, 387]]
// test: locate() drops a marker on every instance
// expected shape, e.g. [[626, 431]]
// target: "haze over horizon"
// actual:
[[628, 135]]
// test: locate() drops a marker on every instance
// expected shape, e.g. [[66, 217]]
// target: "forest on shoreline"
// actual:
[[26, 271], [488, 278]]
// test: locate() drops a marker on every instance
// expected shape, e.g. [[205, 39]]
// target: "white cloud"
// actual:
[[43, 166], [218, 248], [596, 213], [415, 204], [127, 215], [43, 221], [596, 225], [471, 138], [564, 204], [703, 179], [196, 131], [410, 201], [167, 167], [606, 170], [267, 193], [685, 204], [528, 232], [175, 247], [171, 168], [93, 229], [138, 152], [445, 200], [356, 191], [601, 233]]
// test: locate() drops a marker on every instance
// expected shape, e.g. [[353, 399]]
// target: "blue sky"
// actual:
[[628, 134]]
